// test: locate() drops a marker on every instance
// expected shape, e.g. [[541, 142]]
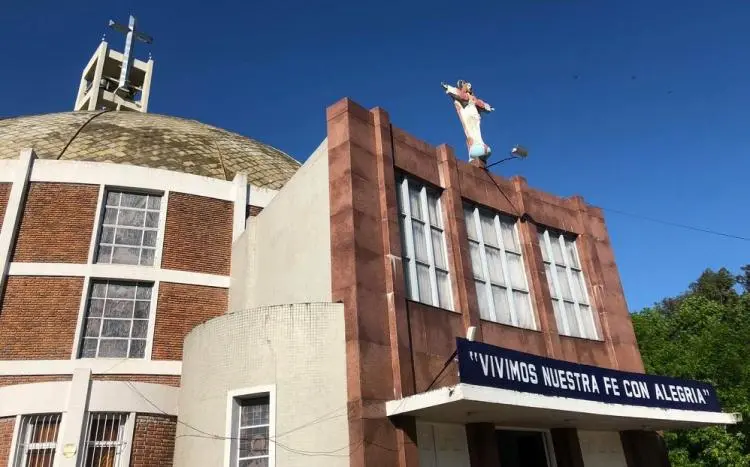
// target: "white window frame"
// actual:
[[19, 430], [405, 223], [126, 431], [83, 312], [232, 421], [546, 237], [487, 280]]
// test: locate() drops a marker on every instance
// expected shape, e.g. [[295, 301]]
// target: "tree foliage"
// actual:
[[704, 334]]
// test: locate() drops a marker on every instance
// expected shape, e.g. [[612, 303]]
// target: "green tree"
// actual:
[[704, 334]]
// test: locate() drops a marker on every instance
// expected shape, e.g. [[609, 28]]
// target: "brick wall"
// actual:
[[153, 441], [56, 224], [167, 380], [6, 437], [13, 380], [38, 317], [198, 235], [252, 211], [181, 308], [4, 193]]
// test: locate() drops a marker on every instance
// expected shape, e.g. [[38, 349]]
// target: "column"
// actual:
[[74, 419], [14, 211]]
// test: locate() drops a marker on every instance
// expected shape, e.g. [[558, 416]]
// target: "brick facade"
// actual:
[[13, 380], [168, 380], [153, 441], [182, 307], [56, 224], [6, 438], [4, 193], [38, 317], [198, 235]]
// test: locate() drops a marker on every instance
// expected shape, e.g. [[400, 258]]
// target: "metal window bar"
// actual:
[[253, 434], [147, 230], [105, 440], [37, 440]]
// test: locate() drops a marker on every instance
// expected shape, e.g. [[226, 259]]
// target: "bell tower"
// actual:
[[117, 80]]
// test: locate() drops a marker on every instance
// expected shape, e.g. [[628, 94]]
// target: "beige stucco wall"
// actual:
[[293, 264], [298, 348], [601, 449]]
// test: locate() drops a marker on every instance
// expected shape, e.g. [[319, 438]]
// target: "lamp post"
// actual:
[[518, 152]]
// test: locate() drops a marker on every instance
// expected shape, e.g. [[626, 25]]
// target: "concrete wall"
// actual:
[[294, 263], [601, 449], [300, 350]]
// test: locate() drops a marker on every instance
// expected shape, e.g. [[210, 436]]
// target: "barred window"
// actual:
[[423, 238], [129, 228], [37, 440], [498, 267], [117, 318], [252, 431], [105, 440], [567, 285]]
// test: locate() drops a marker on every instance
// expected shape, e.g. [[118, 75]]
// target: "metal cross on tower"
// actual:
[[127, 63]]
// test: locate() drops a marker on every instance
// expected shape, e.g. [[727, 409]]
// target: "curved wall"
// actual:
[[298, 353]]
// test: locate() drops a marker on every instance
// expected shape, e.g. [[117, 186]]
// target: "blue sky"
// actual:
[[639, 106]]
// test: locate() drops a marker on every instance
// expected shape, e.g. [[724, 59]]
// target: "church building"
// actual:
[[175, 294]]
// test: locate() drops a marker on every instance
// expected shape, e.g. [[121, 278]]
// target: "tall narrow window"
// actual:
[[105, 440], [567, 285], [498, 267], [130, 225], [37, 440], [117, 318], [253, 432], [423, 238]]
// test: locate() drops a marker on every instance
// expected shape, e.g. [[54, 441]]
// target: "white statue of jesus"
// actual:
[[469, 107]]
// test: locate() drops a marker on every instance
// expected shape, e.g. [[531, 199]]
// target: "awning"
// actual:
[[466, 403]]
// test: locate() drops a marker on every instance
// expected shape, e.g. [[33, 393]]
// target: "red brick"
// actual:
[[4, 193], [198, 234], [6, 437], [182, 307], [56, 223], [13, 380], [167, 380], [38, 317], [153, 441]]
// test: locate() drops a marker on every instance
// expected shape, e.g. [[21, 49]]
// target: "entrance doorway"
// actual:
[[523, 448]]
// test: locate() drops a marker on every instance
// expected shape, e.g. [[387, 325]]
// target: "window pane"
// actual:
[[116, 328], [509, 235], [152, 220], [483, 301], [89, 348], [562, 279], [254, 442], [543, 247], [136, 218], [550, 283], [110, 348], [570, 248], [471, 225], [104, 255], [128, 236], [444, 290], [523, 310], [122, 255], [254, 412], [147, 257], [408, 279], [131, 218], [495, 265], [137, 348], [260, 462], [556, 250], [133, 200], [420, 241], [423, 283], [489, 234], [571, 315], [588, 323], [515, 270], [414, 202], [502, 309], [438, 249], [118, 309], [561, 327], [476, 260], [154, 202], [149, 238], [432, 206], [92, 327], [578, 286]]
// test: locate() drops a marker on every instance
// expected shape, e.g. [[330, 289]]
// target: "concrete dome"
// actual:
[[149, 140]]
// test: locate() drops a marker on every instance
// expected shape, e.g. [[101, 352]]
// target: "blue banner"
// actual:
[[486, 365]]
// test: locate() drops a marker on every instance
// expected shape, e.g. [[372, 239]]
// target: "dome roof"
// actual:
[[149, 140]]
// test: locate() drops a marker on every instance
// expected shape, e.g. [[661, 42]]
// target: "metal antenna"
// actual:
[[131, 34]]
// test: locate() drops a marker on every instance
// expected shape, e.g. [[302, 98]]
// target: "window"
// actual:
[[129, 229], [105, 440], [497, 264], [117, 318], [567, 285], [425, 257], [252, 432], [37, 439]]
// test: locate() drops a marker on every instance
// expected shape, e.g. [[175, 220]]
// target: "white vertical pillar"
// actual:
[[69, 442], [96, 86], [14, 210], [146, 88], [240, 204]]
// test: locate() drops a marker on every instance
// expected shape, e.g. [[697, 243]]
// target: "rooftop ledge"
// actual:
[[466, 403]]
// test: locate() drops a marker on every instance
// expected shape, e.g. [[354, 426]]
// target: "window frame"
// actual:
[[545, 237], [127, 430], [81, 334], [497, 217], [20, 431], [406, 219], [231, 447]]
